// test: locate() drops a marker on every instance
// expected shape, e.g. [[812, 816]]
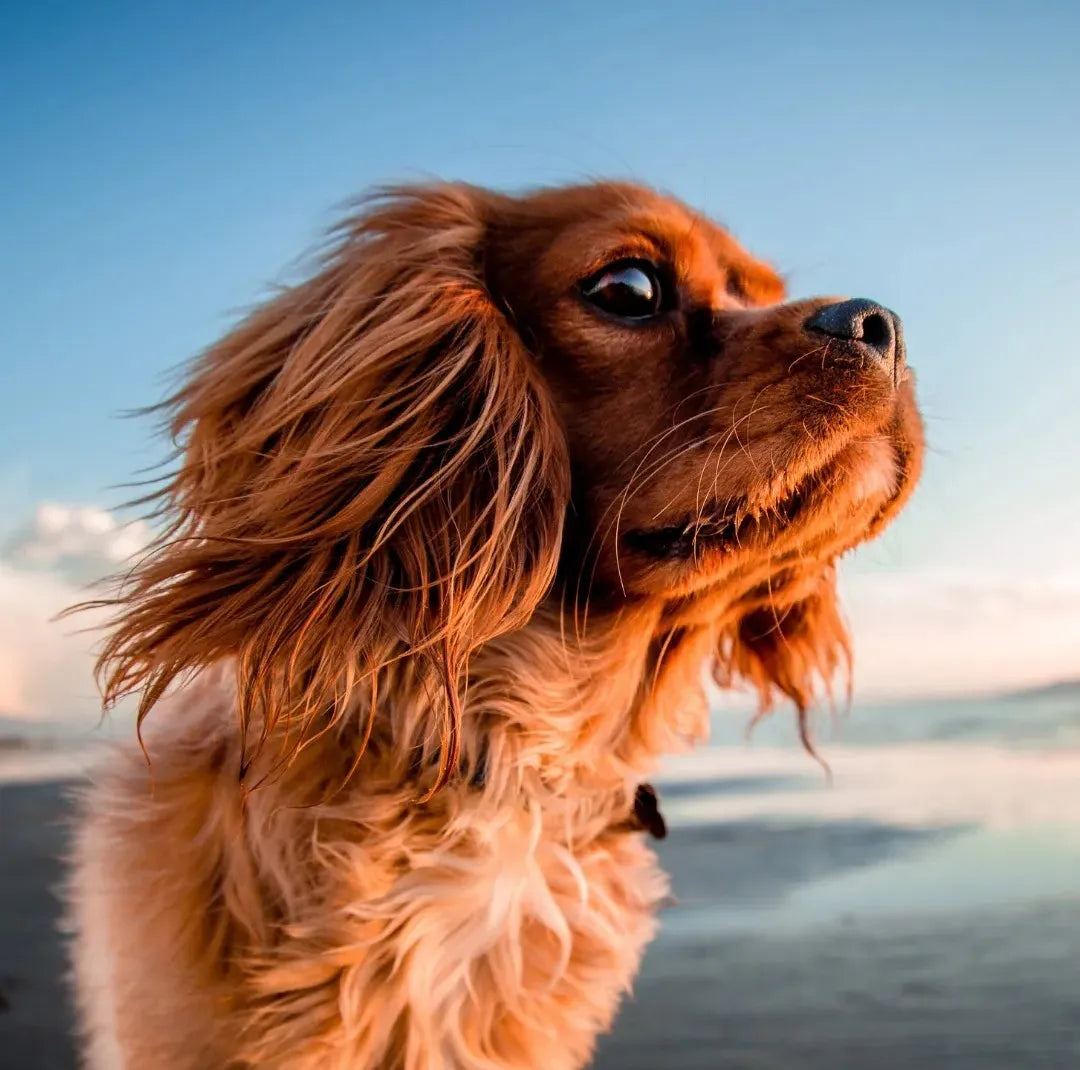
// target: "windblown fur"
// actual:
[[405, 672]]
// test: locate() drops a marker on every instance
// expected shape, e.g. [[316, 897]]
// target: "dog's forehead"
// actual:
[[543, 242], [701, 249], [605, 219], [623, 210]]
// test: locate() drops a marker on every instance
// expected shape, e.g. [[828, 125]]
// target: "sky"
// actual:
[[164, 164]]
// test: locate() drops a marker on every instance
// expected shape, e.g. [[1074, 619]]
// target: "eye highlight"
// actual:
[[629, 289]]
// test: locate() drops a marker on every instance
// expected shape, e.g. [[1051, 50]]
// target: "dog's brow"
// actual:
[[633, 244]]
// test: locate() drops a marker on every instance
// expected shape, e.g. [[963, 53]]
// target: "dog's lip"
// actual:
[[747, 523], [735, 529], [743, 525]]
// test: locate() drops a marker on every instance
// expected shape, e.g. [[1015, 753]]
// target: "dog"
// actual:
[[455, 527]]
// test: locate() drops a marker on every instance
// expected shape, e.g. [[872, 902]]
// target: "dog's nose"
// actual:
[[875, 330]]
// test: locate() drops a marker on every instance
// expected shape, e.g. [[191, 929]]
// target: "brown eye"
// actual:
[[629, 290]]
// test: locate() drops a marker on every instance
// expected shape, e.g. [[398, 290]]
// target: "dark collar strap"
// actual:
[[647, 814]]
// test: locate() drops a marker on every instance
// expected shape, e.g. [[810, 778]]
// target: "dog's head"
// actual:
[[480, 402], [726, 445]]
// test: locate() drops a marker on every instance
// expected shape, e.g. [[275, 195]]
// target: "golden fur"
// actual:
[[445, 553]]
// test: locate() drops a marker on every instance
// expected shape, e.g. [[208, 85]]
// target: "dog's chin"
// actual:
[[821, 512]]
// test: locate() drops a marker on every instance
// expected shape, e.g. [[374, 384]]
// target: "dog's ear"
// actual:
[[368, 469], [791, 643]]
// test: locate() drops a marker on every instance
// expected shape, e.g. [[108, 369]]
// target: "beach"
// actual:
[[919, 909], [993, 989], [35, 1006]]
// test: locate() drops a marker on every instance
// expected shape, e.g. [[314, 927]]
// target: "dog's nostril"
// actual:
[[875, 330], [865, 322]]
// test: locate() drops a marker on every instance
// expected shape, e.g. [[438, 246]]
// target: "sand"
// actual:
[[997, 991], [35, 1011], [736, 990]]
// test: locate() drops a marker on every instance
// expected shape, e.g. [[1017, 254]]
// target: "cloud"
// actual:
[[83, 543], [46, 665]]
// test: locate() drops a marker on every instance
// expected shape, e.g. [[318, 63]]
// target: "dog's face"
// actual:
[[715, 432]]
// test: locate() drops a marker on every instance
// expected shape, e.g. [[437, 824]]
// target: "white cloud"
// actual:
[[81, 542], [46, 665]]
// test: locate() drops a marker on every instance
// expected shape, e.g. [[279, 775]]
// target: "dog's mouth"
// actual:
[[739, 527], [863, 477]]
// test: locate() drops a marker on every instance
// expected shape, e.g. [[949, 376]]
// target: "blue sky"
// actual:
[[163, 163]]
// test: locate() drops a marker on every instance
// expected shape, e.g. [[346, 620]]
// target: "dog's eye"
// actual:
[[629, 290]]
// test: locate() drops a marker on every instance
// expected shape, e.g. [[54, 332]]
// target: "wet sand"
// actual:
[[993, 991], [994, 988], [35, 1009]]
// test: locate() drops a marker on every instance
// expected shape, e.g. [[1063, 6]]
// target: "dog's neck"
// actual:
[[571, 715], [578, 713]]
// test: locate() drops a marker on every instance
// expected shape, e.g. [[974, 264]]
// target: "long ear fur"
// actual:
[[368, 471], [792, 645]]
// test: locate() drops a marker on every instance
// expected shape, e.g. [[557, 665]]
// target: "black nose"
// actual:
[[875, 330]]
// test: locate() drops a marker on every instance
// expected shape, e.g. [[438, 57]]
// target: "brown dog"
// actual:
[[457, 524]]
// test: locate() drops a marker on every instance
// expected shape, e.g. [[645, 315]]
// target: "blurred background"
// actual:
[[164, 164]]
